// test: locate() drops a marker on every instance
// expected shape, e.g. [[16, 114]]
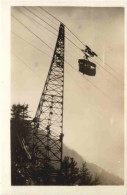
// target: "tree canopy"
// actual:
[[25, 170]]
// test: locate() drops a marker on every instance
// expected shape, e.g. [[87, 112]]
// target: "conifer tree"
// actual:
[[70, 171], [86, 178]]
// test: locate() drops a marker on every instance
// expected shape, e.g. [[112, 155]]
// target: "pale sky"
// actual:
[[93, 121]]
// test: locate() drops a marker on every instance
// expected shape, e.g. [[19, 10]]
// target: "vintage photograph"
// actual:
[[67, 96]]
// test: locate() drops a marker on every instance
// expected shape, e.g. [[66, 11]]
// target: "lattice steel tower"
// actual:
[[48, 121]]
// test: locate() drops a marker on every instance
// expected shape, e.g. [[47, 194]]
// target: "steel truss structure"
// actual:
[[48, 121]]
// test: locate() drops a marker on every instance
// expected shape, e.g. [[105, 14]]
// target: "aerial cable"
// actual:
[[47, 17], [27, 66], [50, 14], [74, 49], [108, 66], [115, 77], [98, 58], [76, 81], [73, 43], [71, 67], [53, 50], [41, 26], [38, 23], [65, 25], [39, 76], [31, 44], [40, 18], [107, 71], [32, 32], [34, 45], [98, 67], [80, 49], [78, 38], [103, 93], [49, 30], [101, 67], [52, 27], [90, 82], [52, 21]]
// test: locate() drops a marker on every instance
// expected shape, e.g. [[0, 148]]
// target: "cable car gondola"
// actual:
[[85, 66]]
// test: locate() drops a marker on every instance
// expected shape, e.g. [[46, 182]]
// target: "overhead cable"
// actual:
[[31, 44], [53, 50], [78, 39], [32, 32], [52, 27]]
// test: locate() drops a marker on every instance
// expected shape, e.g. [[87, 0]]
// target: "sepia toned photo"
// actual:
[[67, 96]]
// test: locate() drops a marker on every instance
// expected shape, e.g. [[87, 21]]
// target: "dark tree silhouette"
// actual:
[[70, 171], [19, 112], [19, 161], [24, 168], [86, 178], [25, 171]]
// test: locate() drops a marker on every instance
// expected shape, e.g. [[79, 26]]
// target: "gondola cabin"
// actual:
[[87, 67]]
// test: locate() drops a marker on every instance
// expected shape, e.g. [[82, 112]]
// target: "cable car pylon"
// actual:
[[48, 121]]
